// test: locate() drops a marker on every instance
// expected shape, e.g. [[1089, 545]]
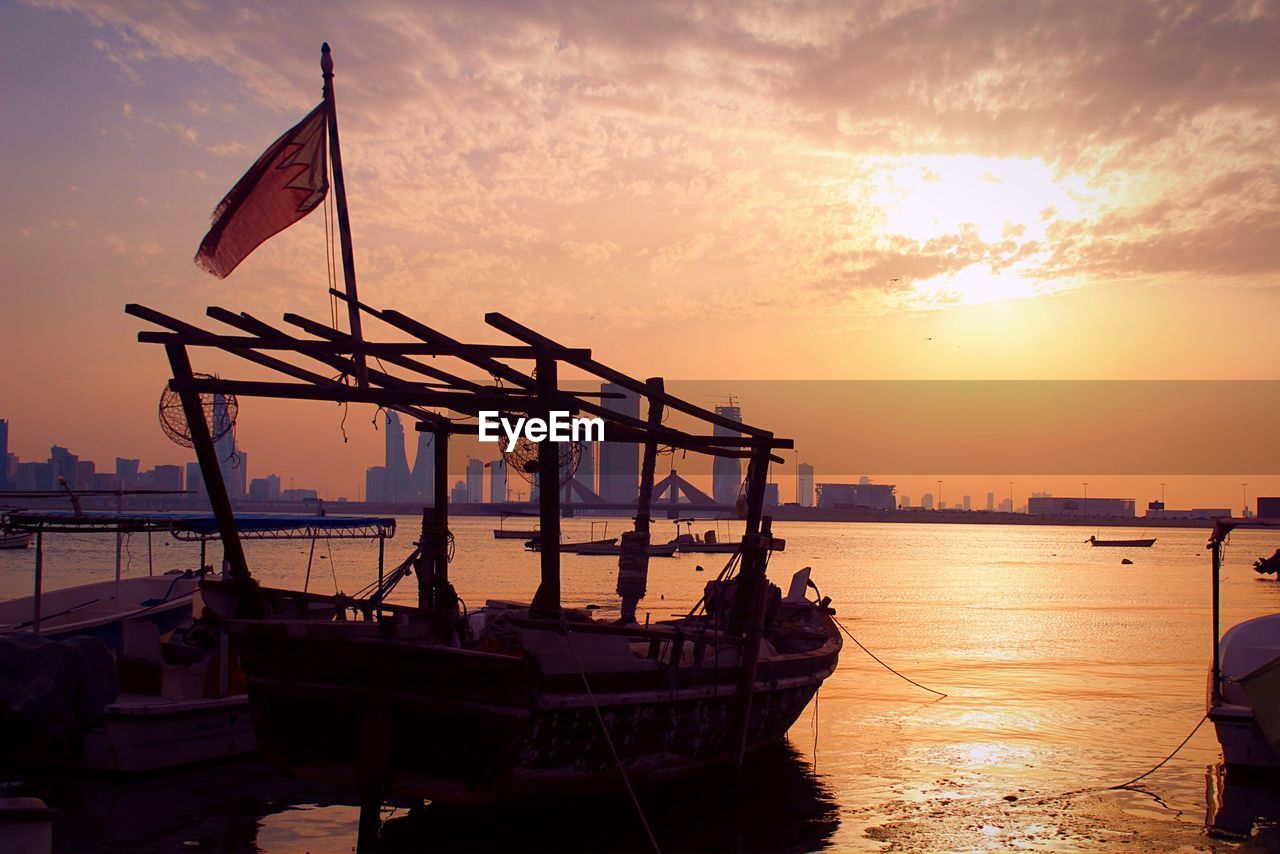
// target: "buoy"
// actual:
[[1126, 561]]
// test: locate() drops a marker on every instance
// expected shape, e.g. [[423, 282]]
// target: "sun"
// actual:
[[1002, 207]]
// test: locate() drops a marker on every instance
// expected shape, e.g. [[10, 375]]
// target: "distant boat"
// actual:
[[707, 543], [535, 545], [15, 539], [612, 549], [504, 533], [1140, 543]]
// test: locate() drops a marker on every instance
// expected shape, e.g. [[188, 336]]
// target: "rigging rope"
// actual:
[[881, 663], [609, 740]]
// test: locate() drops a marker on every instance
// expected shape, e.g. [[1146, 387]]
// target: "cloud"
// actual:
[[824, 148]]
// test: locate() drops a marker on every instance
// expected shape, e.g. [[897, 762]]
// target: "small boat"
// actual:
[[15, 539], [614, 550], [98, 609], [706, 543], [504, 533], [535, 545], [1244, 679], [1140, 543]]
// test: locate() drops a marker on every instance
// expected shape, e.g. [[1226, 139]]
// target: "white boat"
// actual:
[[15, 539], [1244, 679], [98, 609]]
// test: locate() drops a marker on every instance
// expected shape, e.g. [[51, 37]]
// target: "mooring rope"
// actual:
[[881, 663], [609, 740]]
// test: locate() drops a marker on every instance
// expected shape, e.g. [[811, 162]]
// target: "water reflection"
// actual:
[[780, 806], [1238, 805]]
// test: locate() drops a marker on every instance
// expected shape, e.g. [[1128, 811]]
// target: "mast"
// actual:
[[344, 221], [546, 602]]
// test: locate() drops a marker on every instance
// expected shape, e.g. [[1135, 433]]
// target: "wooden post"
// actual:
[[207, 455], [35, 616], [546, 602], [426, 564], [344, 221], [1215, 683], [750, 604], [633, 559]]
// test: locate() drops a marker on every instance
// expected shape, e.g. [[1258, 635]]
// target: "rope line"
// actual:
[[881, 663], [609, 740], [1161, 763], [1127, 784]]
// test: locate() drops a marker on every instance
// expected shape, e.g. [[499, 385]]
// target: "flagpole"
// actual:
[[344, 221]]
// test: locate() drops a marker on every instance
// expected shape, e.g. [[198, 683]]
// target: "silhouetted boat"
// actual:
[[1244, 678], [707, 543], [505, 702], [504, 533], [1140, 543], [535, 545], [612, 549]]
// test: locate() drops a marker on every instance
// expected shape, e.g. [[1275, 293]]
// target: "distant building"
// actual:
[[1269, 508], [1157, 510], [620, 461], [375, 484], [1048, 505], [771, 498], [128, 469], [195, 482], [966, 503], [106, 481], [63, 464], [1006, 505], [265, 488], [904, 502], [167, 477], [926, 501], [307, 496], [399, 483], [497, 481], [85, 470], [424, 467], [458, 495], [857, 496], [726, 472], [991, 502], [33, 477], [475, 480], [804, 473]]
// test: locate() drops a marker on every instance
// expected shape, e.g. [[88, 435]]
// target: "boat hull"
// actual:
[[506, 534], [468, 727], [1124, 544], [16, 541], [154, 733], [1243, 744]]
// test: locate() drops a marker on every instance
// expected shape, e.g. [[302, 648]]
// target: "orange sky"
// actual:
[[834, 190]]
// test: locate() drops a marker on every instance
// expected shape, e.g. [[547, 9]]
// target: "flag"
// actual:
[[289, 181]]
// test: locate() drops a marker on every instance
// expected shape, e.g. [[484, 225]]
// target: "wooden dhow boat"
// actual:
[[514, 700]]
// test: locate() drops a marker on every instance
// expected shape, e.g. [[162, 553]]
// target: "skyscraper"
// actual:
[[806, 484], [230, 462], [620, 461], [424, 467], [399, 483], [127, 471], [726, 472], [475, 480], [497, 481]]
